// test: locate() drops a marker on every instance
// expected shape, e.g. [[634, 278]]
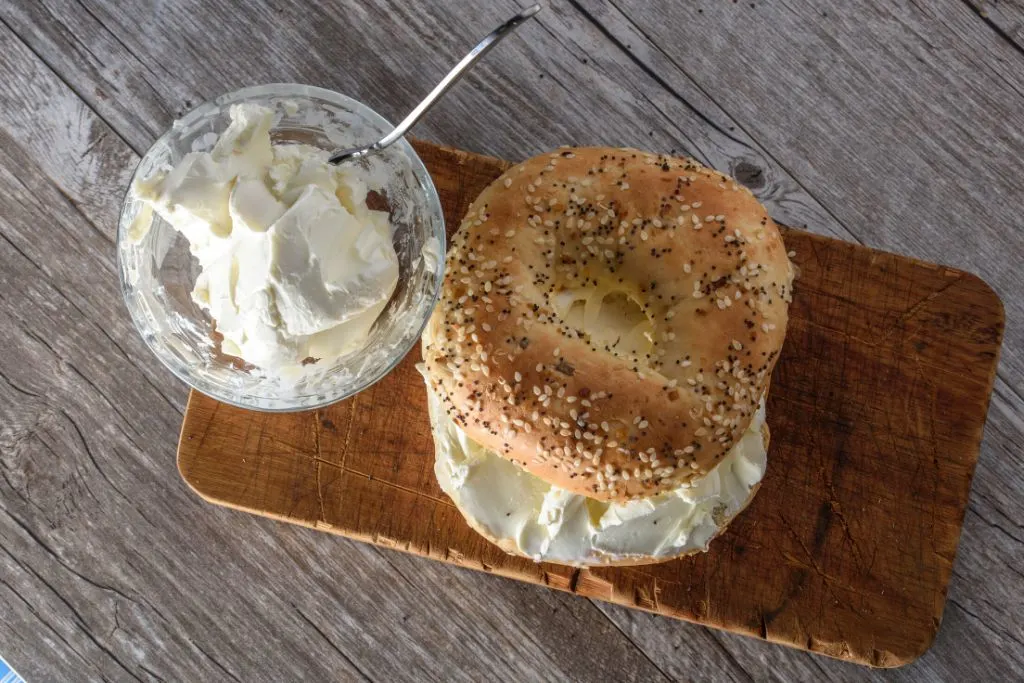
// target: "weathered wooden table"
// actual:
[[898, 125]]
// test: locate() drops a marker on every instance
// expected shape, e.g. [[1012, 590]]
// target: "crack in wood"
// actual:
[[33, 610], [316, 464], [643, 66], [999, 30], [703, 117], [332, 644], [86, 629], [379, 480]]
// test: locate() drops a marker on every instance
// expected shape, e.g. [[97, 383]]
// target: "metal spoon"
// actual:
[[482, 48]]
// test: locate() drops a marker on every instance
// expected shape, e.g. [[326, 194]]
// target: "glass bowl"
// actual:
[[158, 272]]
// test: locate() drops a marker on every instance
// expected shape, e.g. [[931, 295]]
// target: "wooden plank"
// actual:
[[554, 80], [846, 551]]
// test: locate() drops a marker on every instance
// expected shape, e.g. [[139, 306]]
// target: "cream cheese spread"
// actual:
[[295, 266], [548, 523]]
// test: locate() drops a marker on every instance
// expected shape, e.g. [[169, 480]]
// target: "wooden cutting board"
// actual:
[[877, 409]]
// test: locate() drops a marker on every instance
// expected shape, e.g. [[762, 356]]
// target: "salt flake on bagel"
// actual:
[[610, 319]]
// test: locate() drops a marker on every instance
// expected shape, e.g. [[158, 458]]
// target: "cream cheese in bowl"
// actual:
[[295, 266], [264, 276]]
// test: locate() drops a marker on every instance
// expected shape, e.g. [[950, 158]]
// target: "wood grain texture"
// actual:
[[846, 550], [1006, 17], [87, 83]]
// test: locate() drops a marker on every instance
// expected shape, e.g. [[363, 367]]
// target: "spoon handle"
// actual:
[[482, 48]]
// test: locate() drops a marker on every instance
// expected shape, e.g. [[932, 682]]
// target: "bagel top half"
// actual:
[[610, 319]]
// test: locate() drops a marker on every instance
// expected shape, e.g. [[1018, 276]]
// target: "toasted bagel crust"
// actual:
[[692, 249]]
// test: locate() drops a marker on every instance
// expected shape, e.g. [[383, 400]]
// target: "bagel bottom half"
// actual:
[[525, 515]]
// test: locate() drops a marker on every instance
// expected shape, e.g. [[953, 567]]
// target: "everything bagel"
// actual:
[[610, 319]]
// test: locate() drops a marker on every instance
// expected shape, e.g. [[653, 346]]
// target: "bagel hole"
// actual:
[[612, 320]]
